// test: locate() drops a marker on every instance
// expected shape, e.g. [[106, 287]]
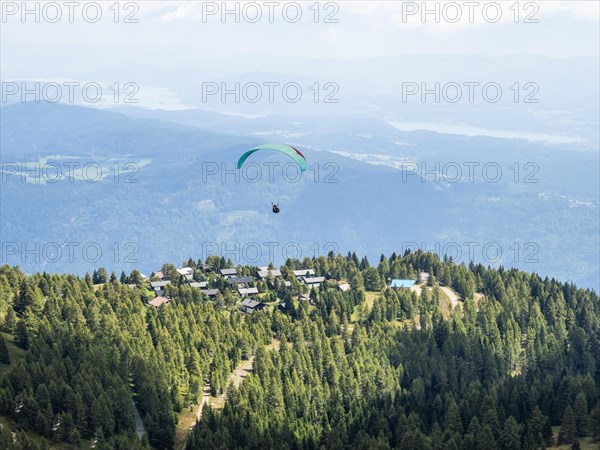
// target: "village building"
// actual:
[[209, 292], [159, 287], [344, 287], [248, 291], [241, 281], [263, 274], [186, 272], [158, 302], [397, 283], [228, 273], [304, 298], [249, 306], [314, 282], [303, 273]]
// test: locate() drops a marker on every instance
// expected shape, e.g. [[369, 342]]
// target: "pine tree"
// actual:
[[568, 427], [595, 421], [510, 436], [581, 414], [22, 335], [10, 321], [485, 439], [4, 356], [452, 420]]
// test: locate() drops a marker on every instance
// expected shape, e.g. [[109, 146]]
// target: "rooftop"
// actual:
[[228, 271], [314, 280], [344, 287], [210, 292], [247, 291], [304, 272], [266, 273], [158, 301], [249, 303], [240, 280], [402, 283], [185, 271]]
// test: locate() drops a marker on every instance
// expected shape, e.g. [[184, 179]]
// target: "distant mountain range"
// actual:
[[155, 201]]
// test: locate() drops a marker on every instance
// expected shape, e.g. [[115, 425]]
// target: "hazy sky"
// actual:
[[179, 33]]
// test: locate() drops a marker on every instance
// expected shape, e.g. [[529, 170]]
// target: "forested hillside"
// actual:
[[515, 364]]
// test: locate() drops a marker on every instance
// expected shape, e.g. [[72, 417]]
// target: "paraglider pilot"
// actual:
[[275, 207]]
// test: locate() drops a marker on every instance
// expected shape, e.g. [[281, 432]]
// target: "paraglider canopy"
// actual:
[[282, 148]]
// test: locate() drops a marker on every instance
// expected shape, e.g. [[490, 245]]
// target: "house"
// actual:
[[199, 284], [159, 275], [304, 273], [248, 291], [424, 277], [228, 273], [159, 287], [265, 273], [132, 286], [249, 306], [304, 298], [402, 283], [344, 287], [313, 282], [241, 281], [209, 292], [158, 302], [186, 272]]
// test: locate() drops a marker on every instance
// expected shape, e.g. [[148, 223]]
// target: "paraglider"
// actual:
[[282, 148], [287, 150]]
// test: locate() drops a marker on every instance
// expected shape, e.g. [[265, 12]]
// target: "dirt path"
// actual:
[[242, 370], [204, 401], [452, 296], [416, 288], [187, 420], [139, 425]]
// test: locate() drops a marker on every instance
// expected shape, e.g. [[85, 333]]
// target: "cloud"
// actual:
[[582, 10], [448, 16], [205, 206], [181, 13]]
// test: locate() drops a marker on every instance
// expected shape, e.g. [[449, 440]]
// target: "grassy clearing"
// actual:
[[370, 297], [445, 305], [16, 354], [587, 443], [187, 418]]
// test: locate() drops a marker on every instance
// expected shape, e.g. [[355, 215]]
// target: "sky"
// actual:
[[52, 40]]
